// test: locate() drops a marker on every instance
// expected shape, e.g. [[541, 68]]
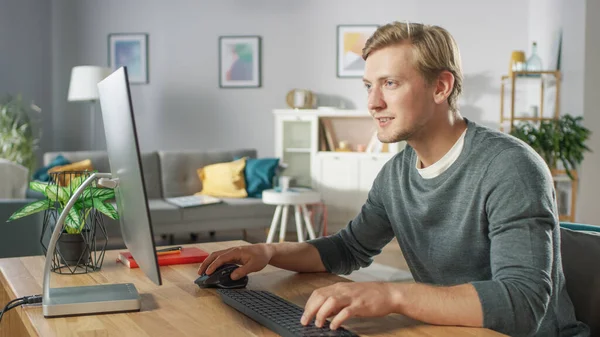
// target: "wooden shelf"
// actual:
[[512, 84], [523, 74], [297, 150]]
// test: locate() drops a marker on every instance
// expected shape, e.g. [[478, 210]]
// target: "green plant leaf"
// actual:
[[556, 141], [73, 222], [106, 209], [19, 141], [38, 186], [29, 209], [58, 193], [104, 193], [76, 182]]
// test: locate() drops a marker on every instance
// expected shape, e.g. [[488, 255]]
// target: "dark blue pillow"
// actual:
[[259, 174], [42, 173]]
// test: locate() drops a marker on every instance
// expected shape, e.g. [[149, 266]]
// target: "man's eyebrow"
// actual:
[[384, 77]]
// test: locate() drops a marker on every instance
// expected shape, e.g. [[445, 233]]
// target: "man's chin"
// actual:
[[387, 138]]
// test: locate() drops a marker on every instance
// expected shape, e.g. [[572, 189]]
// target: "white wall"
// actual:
[[183, 107], [588, 211], [545, 21], [573, 60], [25, 58]]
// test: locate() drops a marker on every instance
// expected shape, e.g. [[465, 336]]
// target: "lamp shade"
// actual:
[[84, 82]]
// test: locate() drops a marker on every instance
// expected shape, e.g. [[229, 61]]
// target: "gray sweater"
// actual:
[[489, 220]]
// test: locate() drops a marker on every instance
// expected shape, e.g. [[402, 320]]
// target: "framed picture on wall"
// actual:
[[130, 50], [350, 41], [239, 61]]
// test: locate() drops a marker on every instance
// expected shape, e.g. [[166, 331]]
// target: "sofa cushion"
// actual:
[[164, 212], [178, 169], [259, 174], [224, 179], [151, 169], [230, 208], [161, 211]]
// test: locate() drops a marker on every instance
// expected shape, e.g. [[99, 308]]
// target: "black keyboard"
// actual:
[[275, 313]]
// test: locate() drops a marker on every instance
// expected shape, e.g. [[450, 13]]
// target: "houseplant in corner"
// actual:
[[18, 139], [560, 142], [77, 247]]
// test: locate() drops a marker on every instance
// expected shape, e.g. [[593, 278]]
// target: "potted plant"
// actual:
[[17, 137], [560, 142], [77, 240]]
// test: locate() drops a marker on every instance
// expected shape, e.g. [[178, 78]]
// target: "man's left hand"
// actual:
[[346, 300]]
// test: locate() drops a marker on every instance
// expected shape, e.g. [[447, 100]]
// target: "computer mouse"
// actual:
[[220, 278]]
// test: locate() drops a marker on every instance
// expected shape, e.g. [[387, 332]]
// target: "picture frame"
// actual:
[[240, 61], [129, 50], [350, 41]]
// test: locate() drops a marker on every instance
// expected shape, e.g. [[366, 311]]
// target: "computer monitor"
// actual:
[[126, 166], [132, 206]]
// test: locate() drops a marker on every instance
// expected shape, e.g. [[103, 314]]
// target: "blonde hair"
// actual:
[[435, 50]]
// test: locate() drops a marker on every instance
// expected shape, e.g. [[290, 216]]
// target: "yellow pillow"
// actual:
[[224, 179], [80, 166]]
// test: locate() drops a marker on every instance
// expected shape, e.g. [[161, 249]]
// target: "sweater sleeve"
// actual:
[[355, 245], [520, 207]]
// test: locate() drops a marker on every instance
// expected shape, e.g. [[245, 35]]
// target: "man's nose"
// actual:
[[376, 101]]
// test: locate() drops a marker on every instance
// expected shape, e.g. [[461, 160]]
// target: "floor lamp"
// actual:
[[84, 87]]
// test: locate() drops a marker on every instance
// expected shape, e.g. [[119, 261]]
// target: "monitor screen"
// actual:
[[126, 166]]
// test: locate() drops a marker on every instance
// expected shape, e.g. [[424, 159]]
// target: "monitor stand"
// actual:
[[109, 298], [84, 300]]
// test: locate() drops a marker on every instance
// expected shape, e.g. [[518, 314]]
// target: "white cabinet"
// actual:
[[368, 168], [295, 142], [343, 178], [337, 180]]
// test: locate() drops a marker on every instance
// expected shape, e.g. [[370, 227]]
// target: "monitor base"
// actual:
[[75, 301]]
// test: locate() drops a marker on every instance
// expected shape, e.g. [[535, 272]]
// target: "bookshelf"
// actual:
[[308, 140], [509, 89]]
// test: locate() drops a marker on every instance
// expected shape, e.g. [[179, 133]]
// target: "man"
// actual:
[[473, 209]]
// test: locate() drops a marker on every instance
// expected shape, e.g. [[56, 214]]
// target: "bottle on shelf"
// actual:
[[534, 62]]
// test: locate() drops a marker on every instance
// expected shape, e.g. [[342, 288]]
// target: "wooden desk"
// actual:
[[178, 307]]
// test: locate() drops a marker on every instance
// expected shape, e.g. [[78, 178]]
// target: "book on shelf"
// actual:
[[328, 133], [185, 256]]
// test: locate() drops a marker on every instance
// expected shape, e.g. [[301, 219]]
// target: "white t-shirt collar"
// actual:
[[445, 162]]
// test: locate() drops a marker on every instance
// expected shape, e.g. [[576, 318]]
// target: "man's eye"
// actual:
[[390, 83], [367, 86]]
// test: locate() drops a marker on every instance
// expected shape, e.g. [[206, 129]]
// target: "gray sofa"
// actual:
[[174, 173], [22, 236]]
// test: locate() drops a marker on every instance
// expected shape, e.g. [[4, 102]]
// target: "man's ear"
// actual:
[[443, 87]]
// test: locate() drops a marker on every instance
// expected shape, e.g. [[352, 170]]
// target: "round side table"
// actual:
[[297, 197]]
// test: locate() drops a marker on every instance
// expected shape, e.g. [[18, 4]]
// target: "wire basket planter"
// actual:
[[82, 243]]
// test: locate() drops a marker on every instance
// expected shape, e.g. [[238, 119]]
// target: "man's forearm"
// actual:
[[455, 305], [296, 256]]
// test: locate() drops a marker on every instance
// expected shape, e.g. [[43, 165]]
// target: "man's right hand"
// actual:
[[251, 258]]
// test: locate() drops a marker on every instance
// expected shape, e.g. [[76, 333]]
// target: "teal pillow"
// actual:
[[42, 173], [259, 174]]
